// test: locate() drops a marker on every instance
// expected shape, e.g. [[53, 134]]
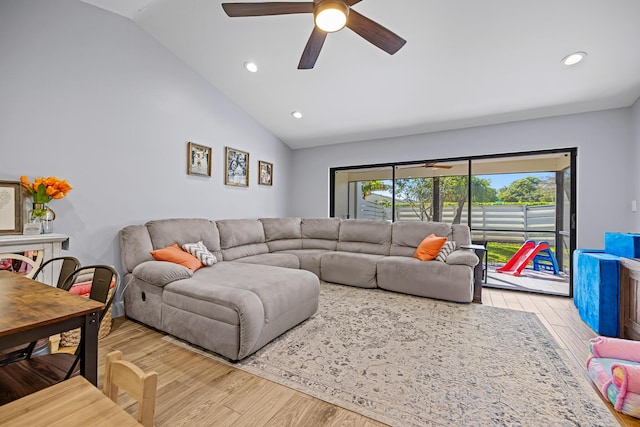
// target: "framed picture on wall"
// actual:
[[236, 170], [265, 176], [10, 207], [198, 159]]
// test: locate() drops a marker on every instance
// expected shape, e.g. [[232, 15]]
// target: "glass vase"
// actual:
[[43, 214]]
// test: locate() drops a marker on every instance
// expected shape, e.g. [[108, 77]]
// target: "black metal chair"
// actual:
[[69, 264], [32, 374]]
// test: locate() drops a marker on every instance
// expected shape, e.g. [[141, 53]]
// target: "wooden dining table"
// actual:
[[74, 402], [30, 310]]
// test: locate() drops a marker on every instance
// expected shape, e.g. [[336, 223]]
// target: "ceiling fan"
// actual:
[[436, 166], [329, 16], [427, 166]]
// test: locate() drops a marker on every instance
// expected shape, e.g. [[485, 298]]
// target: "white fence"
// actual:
[[535, 222]]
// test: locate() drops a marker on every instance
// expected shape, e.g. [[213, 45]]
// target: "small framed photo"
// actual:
[[236, 170], [11, 213], [265, 170], [198, 159]]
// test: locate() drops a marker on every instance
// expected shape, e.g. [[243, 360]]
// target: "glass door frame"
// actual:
[[571, 151]]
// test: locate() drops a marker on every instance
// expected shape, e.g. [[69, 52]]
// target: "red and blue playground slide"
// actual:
[[540, 254]]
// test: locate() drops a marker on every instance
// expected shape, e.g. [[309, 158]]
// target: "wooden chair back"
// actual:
[[120, 374], [24, 261]]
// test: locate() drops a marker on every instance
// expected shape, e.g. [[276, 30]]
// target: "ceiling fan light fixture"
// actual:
[[331, 16], [574, 58]]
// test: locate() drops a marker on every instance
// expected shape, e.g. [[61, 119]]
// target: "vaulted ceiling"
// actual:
[[465, 63]]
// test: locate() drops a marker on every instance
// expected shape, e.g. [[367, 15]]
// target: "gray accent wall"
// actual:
[[604, 140], [88, 96]]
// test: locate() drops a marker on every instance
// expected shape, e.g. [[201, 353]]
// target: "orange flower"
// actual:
[[45, 189]]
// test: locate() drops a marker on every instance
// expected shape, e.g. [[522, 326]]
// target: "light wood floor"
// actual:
[[197, 391]]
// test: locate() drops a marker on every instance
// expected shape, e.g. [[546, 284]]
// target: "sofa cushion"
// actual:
[[407, 235], [309, 259], [178, 256], [279, 259], [166, 232], [460, 234], [431, 279], [348, 268], [282, 233], [241, 238], [320, 233], [365, 236], [429, 248], [281, 228]]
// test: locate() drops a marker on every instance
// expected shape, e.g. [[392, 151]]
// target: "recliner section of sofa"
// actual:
[[267, 277]]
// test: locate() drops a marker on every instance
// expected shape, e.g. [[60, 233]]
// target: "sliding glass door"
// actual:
[[363, 193], [432, 192], [507, 200]]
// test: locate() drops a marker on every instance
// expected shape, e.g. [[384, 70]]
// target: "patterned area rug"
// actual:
[[409, 361]]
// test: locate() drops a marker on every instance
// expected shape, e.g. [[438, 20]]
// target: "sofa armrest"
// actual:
[[161, 273], [463, 257]]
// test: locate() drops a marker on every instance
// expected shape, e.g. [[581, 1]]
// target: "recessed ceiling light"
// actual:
[[251, 66], [297, 114], [574, 58]]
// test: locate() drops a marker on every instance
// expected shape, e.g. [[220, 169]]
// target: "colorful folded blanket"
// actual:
[[614, 367], [615, 348]]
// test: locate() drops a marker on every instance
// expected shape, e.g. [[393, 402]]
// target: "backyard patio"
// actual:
[[529, 280]]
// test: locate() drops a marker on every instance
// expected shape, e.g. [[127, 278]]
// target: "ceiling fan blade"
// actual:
[[374, 33], [312, 49], [352, 2], [437, 166], [262, 9]]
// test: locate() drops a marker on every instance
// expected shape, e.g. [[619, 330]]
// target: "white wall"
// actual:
[[89, 97], [634, 168], [603, 139]]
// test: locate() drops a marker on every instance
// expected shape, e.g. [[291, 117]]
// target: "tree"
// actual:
[[454, 189], [529, 189], [547, 189], [418, 194], [367, 187]]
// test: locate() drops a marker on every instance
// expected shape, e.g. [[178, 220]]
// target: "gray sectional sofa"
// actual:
[[267, 278]]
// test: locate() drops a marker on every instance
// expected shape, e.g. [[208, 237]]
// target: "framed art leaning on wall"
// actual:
[[265, 173], [198, 159], [236, 171], [10, 207]]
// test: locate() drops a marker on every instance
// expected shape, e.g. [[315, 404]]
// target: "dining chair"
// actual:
[[18, 263], [68, 265], [38, 372], [120, 374]]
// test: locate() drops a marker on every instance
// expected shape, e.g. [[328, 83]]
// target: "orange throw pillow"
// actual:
[[176, 255], [428, 249]]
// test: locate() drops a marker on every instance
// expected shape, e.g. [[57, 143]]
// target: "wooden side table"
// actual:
[[478, 271]]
